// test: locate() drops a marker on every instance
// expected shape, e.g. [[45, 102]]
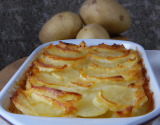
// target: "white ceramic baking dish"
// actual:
[[35, 120]]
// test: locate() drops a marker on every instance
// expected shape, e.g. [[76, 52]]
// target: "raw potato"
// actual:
[[108, 13], [65, 25], [93, 31]]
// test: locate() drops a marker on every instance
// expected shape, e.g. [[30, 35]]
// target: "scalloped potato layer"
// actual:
[[68, 80]]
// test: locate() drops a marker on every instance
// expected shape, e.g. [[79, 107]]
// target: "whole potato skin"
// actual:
[[64, 25], [108, 13], [93, 31]]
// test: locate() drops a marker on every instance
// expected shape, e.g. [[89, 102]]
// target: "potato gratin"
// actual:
[[68, 80]]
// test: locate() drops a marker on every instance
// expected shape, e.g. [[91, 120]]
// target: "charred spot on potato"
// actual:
[[94, 1], [131, 85], [121, 18]]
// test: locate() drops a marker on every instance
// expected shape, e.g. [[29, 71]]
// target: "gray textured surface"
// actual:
[[21, 21]]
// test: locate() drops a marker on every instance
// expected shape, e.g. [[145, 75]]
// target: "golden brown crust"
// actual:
[[70, 80]]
